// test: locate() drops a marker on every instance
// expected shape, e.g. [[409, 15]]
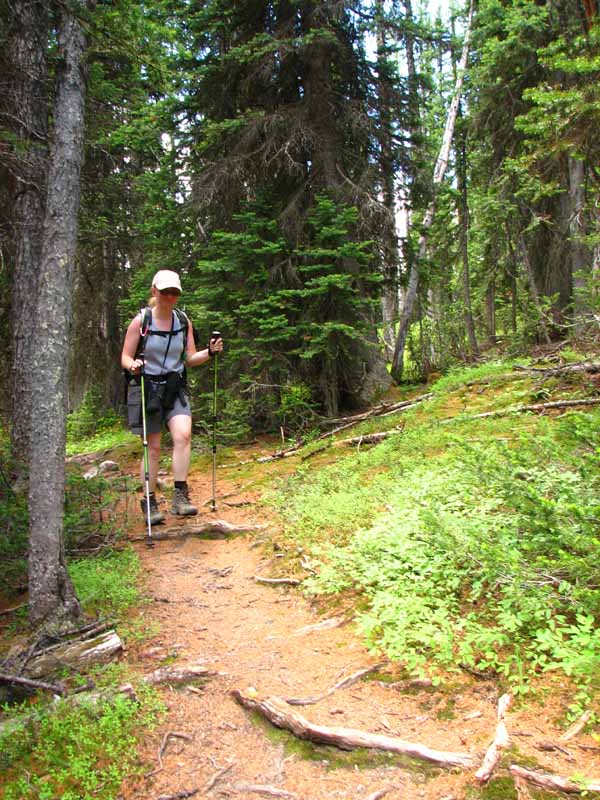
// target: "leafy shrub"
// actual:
[[76, 753], [469, 549], [90, 516], [108, 584], [91, 418]]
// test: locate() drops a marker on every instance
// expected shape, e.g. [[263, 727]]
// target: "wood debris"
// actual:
[[576, 727], [343, 684], [212, 782], [556, 783], [277, 711], [266, 791], [278, 581], [218, 528], [324, 625], [492, 756], [178, 674]]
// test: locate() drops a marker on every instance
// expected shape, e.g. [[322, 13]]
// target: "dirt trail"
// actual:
[[212, 611]]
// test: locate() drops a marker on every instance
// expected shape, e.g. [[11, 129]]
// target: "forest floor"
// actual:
[[211, 611]]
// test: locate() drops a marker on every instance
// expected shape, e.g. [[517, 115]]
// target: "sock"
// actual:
[[181, 484]]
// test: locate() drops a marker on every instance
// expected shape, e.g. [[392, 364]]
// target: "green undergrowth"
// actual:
[[469, 541], [107, 585], [77, 752]]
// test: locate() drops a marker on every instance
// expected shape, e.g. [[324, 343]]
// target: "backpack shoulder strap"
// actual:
[[184, 323], [145, 323]]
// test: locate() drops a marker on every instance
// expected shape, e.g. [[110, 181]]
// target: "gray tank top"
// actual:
[[163, 351]]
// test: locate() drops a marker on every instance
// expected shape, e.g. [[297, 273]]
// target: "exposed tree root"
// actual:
[[343, 684], [174, 675], [492, 756], [217, 529], [278, 581], [278, 713]]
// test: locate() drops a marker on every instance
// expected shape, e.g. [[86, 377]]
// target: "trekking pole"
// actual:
[[214, 335], [149, 541]]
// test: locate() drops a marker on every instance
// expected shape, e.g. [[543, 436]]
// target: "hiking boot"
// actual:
[[156, 516], [181, 503]]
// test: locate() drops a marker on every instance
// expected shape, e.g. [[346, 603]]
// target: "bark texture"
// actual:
[[27, 118], [51, 596]]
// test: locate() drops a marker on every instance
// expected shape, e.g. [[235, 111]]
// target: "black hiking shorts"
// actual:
[[154, 419]]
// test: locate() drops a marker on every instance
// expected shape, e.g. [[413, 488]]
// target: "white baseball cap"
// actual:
[[166, 279]]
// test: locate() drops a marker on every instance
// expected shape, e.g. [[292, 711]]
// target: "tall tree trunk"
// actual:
[[535, 295], [581, 257], [490, 308], [52, 599], [464, 224], [438, 175], [27, 101], [389, 301]]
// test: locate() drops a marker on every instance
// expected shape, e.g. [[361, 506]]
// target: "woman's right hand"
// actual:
[[136, 366]]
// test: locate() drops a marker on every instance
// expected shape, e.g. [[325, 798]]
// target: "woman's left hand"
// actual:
[[215, 346]]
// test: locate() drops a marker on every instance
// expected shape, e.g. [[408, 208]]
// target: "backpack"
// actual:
[[146, 322]]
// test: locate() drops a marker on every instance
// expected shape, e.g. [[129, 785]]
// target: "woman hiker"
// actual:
[[160, 340]]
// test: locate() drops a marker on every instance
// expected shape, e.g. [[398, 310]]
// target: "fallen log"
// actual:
[[97, 650], [556, 783], [494, 751], [278, 713], [343, 684], [217, 529]]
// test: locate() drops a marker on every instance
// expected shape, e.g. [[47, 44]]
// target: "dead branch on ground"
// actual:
[[536, 407], [344, 422], [55, 688], [581, 366], [12, 610], [556, 783], [494, 751], [343, 684], [277, 712]]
